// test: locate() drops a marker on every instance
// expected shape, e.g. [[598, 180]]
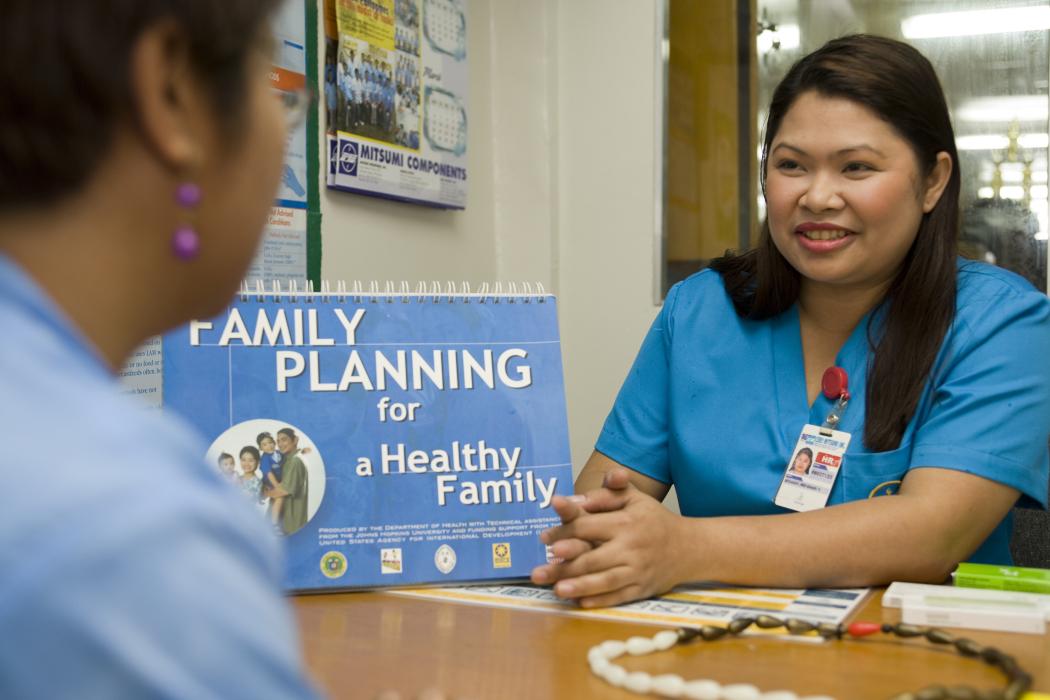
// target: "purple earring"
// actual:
[[185, 243]]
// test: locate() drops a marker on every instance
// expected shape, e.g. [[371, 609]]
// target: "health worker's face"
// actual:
[[844, 193]]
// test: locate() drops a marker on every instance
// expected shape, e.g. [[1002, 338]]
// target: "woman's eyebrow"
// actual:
[[861, 147], [841, 151]]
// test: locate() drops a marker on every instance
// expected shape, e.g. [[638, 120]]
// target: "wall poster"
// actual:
[[395, 83], [282, 254]]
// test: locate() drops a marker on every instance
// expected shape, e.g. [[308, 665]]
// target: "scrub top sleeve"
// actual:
[[636, 432], [990, 412]]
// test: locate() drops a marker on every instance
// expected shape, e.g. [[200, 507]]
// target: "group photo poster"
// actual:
[[389, 441], [395, 96]]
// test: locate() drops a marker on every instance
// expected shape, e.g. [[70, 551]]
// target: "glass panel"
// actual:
[[708, 107], [992, 58]]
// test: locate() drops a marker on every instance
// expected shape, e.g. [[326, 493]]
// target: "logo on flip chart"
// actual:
[[390, 561], [333, 564], [445, 559], [501, 555]]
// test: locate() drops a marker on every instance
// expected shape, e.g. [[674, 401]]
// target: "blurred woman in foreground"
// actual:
[[140, 148]]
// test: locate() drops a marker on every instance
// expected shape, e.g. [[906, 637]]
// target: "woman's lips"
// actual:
[[823, 239]]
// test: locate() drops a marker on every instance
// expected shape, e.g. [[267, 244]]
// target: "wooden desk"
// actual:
[[358, 644]]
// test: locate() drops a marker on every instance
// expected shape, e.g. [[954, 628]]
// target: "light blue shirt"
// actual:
[[128, 568], [342, 77], [715, 403]]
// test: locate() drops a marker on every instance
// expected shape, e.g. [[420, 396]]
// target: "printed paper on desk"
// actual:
[[690, 605], [430, 431]]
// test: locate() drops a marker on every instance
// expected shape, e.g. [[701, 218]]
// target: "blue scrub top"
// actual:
[[128, 567], [715, 403]]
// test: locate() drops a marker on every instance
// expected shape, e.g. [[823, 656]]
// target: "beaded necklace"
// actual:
[[601, 659]]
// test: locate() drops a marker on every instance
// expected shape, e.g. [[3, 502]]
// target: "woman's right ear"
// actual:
[[170, 110], [936, 181]]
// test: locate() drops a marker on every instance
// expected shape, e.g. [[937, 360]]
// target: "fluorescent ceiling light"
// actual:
[[973, 22], [1034, 141], [1017, 175], [982, 142], [1008, 108], [1000, 142], [788, 34]]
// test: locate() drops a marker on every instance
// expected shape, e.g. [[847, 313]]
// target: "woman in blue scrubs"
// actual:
[[856, 268], [141, 147]]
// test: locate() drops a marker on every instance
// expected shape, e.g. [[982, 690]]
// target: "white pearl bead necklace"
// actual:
[[601, 659]]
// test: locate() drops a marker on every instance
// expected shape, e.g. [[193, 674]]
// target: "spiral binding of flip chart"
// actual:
[[389, 292]]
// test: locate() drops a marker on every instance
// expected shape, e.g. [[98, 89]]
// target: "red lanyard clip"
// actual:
[[835, 385]]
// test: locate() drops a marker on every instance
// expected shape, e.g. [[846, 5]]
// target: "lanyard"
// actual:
[[835, 385]]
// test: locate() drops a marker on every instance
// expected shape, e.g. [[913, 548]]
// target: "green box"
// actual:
[[1002, 578]]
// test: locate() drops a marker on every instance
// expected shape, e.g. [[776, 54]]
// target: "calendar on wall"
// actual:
[[445, 27], [395, 85]]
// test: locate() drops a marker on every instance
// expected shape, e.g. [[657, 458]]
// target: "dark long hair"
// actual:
[[249, 450], [898, 84], [64, 67]]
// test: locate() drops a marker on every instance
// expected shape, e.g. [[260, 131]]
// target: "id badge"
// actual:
[[814, 466]]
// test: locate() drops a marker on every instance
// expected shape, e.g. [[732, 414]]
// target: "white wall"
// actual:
[[563, 123], [506, 231], [607, 169]]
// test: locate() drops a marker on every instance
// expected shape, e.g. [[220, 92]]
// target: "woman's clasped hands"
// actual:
[[615, 544]]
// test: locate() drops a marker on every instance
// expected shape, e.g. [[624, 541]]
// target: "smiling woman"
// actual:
[[886, 155], [948, 389]]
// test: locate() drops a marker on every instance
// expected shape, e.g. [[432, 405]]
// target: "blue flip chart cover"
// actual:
[[430, 432]]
